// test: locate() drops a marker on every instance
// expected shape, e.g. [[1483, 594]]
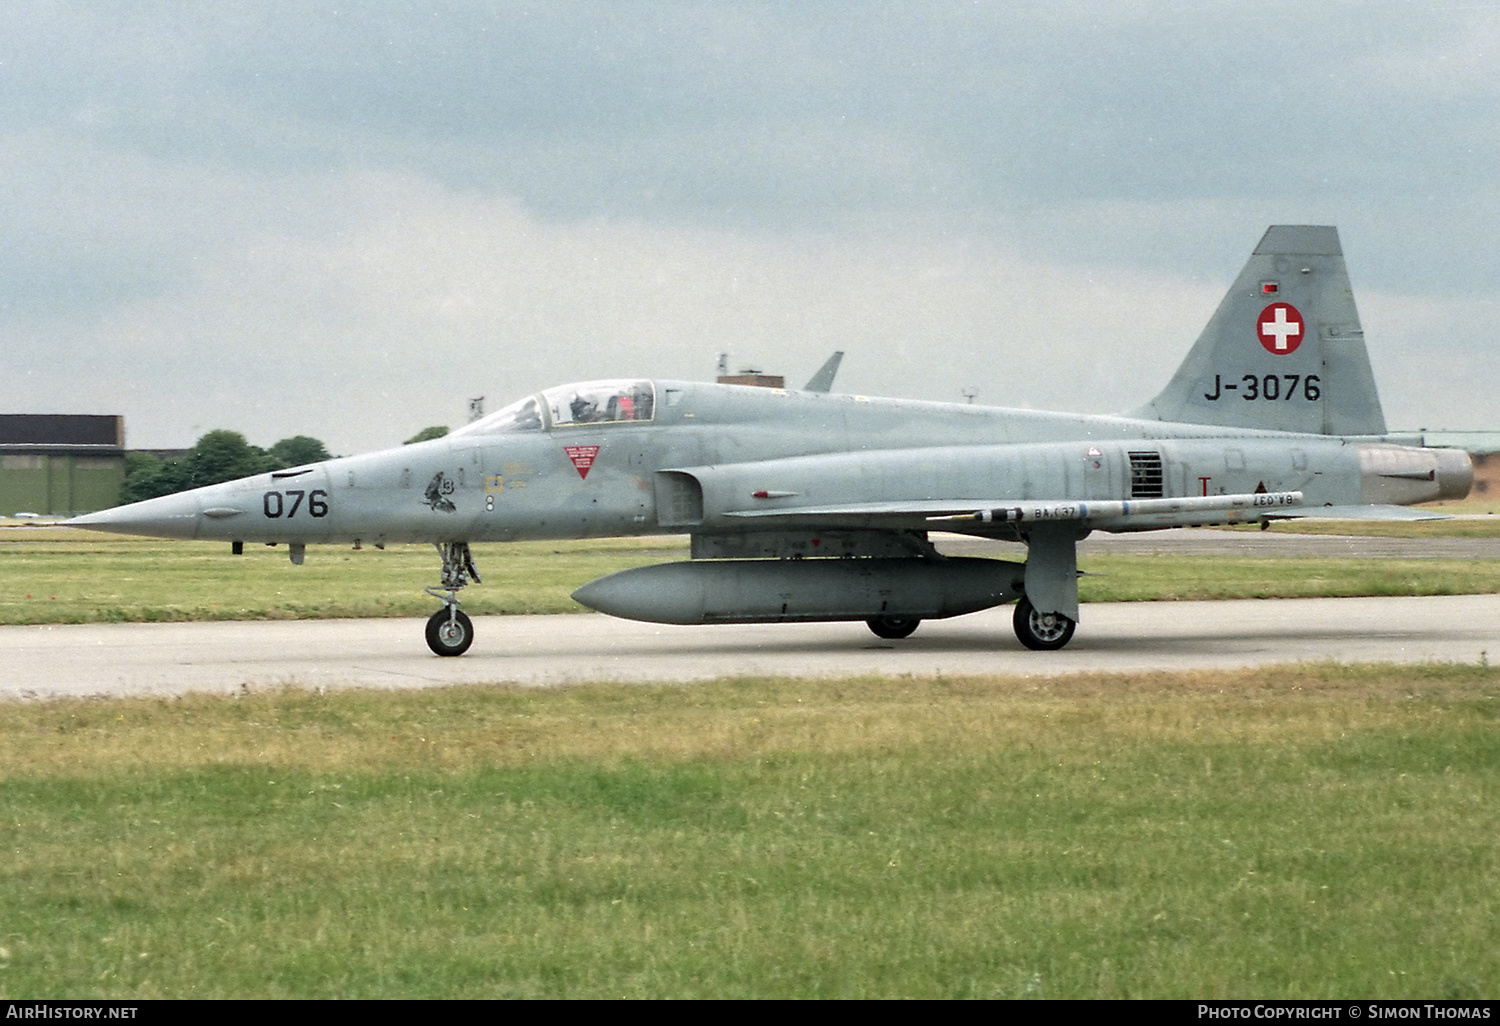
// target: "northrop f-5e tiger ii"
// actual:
[[805, 505]]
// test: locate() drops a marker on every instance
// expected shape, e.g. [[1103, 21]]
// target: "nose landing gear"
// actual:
[[449, 631]]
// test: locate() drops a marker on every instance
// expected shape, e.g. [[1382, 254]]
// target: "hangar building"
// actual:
[[60, 464]]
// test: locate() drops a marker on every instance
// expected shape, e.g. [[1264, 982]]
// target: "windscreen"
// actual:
[[522, 415]]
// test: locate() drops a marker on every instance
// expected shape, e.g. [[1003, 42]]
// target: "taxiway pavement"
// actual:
[[49, 662]]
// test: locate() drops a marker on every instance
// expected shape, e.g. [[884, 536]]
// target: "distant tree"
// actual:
[[297, 451], [223, 456], [147, 476], [217, 456], [427, 434]]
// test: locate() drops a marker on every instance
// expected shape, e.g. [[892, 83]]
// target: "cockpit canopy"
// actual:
[[587, 402], [600, 402]]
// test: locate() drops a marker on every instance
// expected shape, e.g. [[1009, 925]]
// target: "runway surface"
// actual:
[[171, 659]]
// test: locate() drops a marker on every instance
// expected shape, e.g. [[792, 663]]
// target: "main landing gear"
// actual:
[[1041, 632], [893, 627], [1051, 584], [449, 631]]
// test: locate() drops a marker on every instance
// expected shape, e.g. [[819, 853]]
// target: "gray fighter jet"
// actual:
[[803, 505]]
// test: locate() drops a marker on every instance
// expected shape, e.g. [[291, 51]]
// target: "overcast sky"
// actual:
[[292, 218]]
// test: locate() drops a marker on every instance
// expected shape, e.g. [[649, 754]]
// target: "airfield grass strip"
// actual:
[[94, 579], [1486, 528], [145, 580], [1203, 578], [1320, 831]]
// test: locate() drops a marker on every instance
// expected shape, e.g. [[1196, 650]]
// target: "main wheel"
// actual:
[[893, 627], [1041, 632], [449, 635]]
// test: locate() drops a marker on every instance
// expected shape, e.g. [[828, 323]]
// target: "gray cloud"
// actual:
[[262, 215]]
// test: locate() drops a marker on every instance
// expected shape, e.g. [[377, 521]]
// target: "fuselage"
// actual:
[[608, 458]]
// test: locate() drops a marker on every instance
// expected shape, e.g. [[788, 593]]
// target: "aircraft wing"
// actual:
[[1371, 512], [980, 515]]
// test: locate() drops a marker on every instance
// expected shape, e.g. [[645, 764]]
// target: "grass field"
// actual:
[[107, 578], [60, 576], [1308, 832], [1481, 519], [1193, 578]]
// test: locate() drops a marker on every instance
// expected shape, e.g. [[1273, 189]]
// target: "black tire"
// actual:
[[893, 627], [1041, 632], [450, 636]]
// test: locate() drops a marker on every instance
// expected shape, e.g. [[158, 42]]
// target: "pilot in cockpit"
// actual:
[[583, 411], [528, 416]]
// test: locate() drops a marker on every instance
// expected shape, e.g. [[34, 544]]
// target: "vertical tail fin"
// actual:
[[823, 380], [1284, 351]]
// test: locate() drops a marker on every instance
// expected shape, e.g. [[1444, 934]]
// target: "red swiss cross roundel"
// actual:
[[1280, 328]]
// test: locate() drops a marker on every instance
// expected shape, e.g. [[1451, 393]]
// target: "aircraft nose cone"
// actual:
[[170, 516]]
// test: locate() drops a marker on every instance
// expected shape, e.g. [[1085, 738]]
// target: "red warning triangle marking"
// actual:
[[582, 457]]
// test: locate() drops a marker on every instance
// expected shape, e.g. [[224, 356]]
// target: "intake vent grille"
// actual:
[[679, 499], [1145, 475]]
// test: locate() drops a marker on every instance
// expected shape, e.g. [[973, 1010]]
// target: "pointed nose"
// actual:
[[170, 516]]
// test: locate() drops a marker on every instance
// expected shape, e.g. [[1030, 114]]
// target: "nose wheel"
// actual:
[[450, 632]]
